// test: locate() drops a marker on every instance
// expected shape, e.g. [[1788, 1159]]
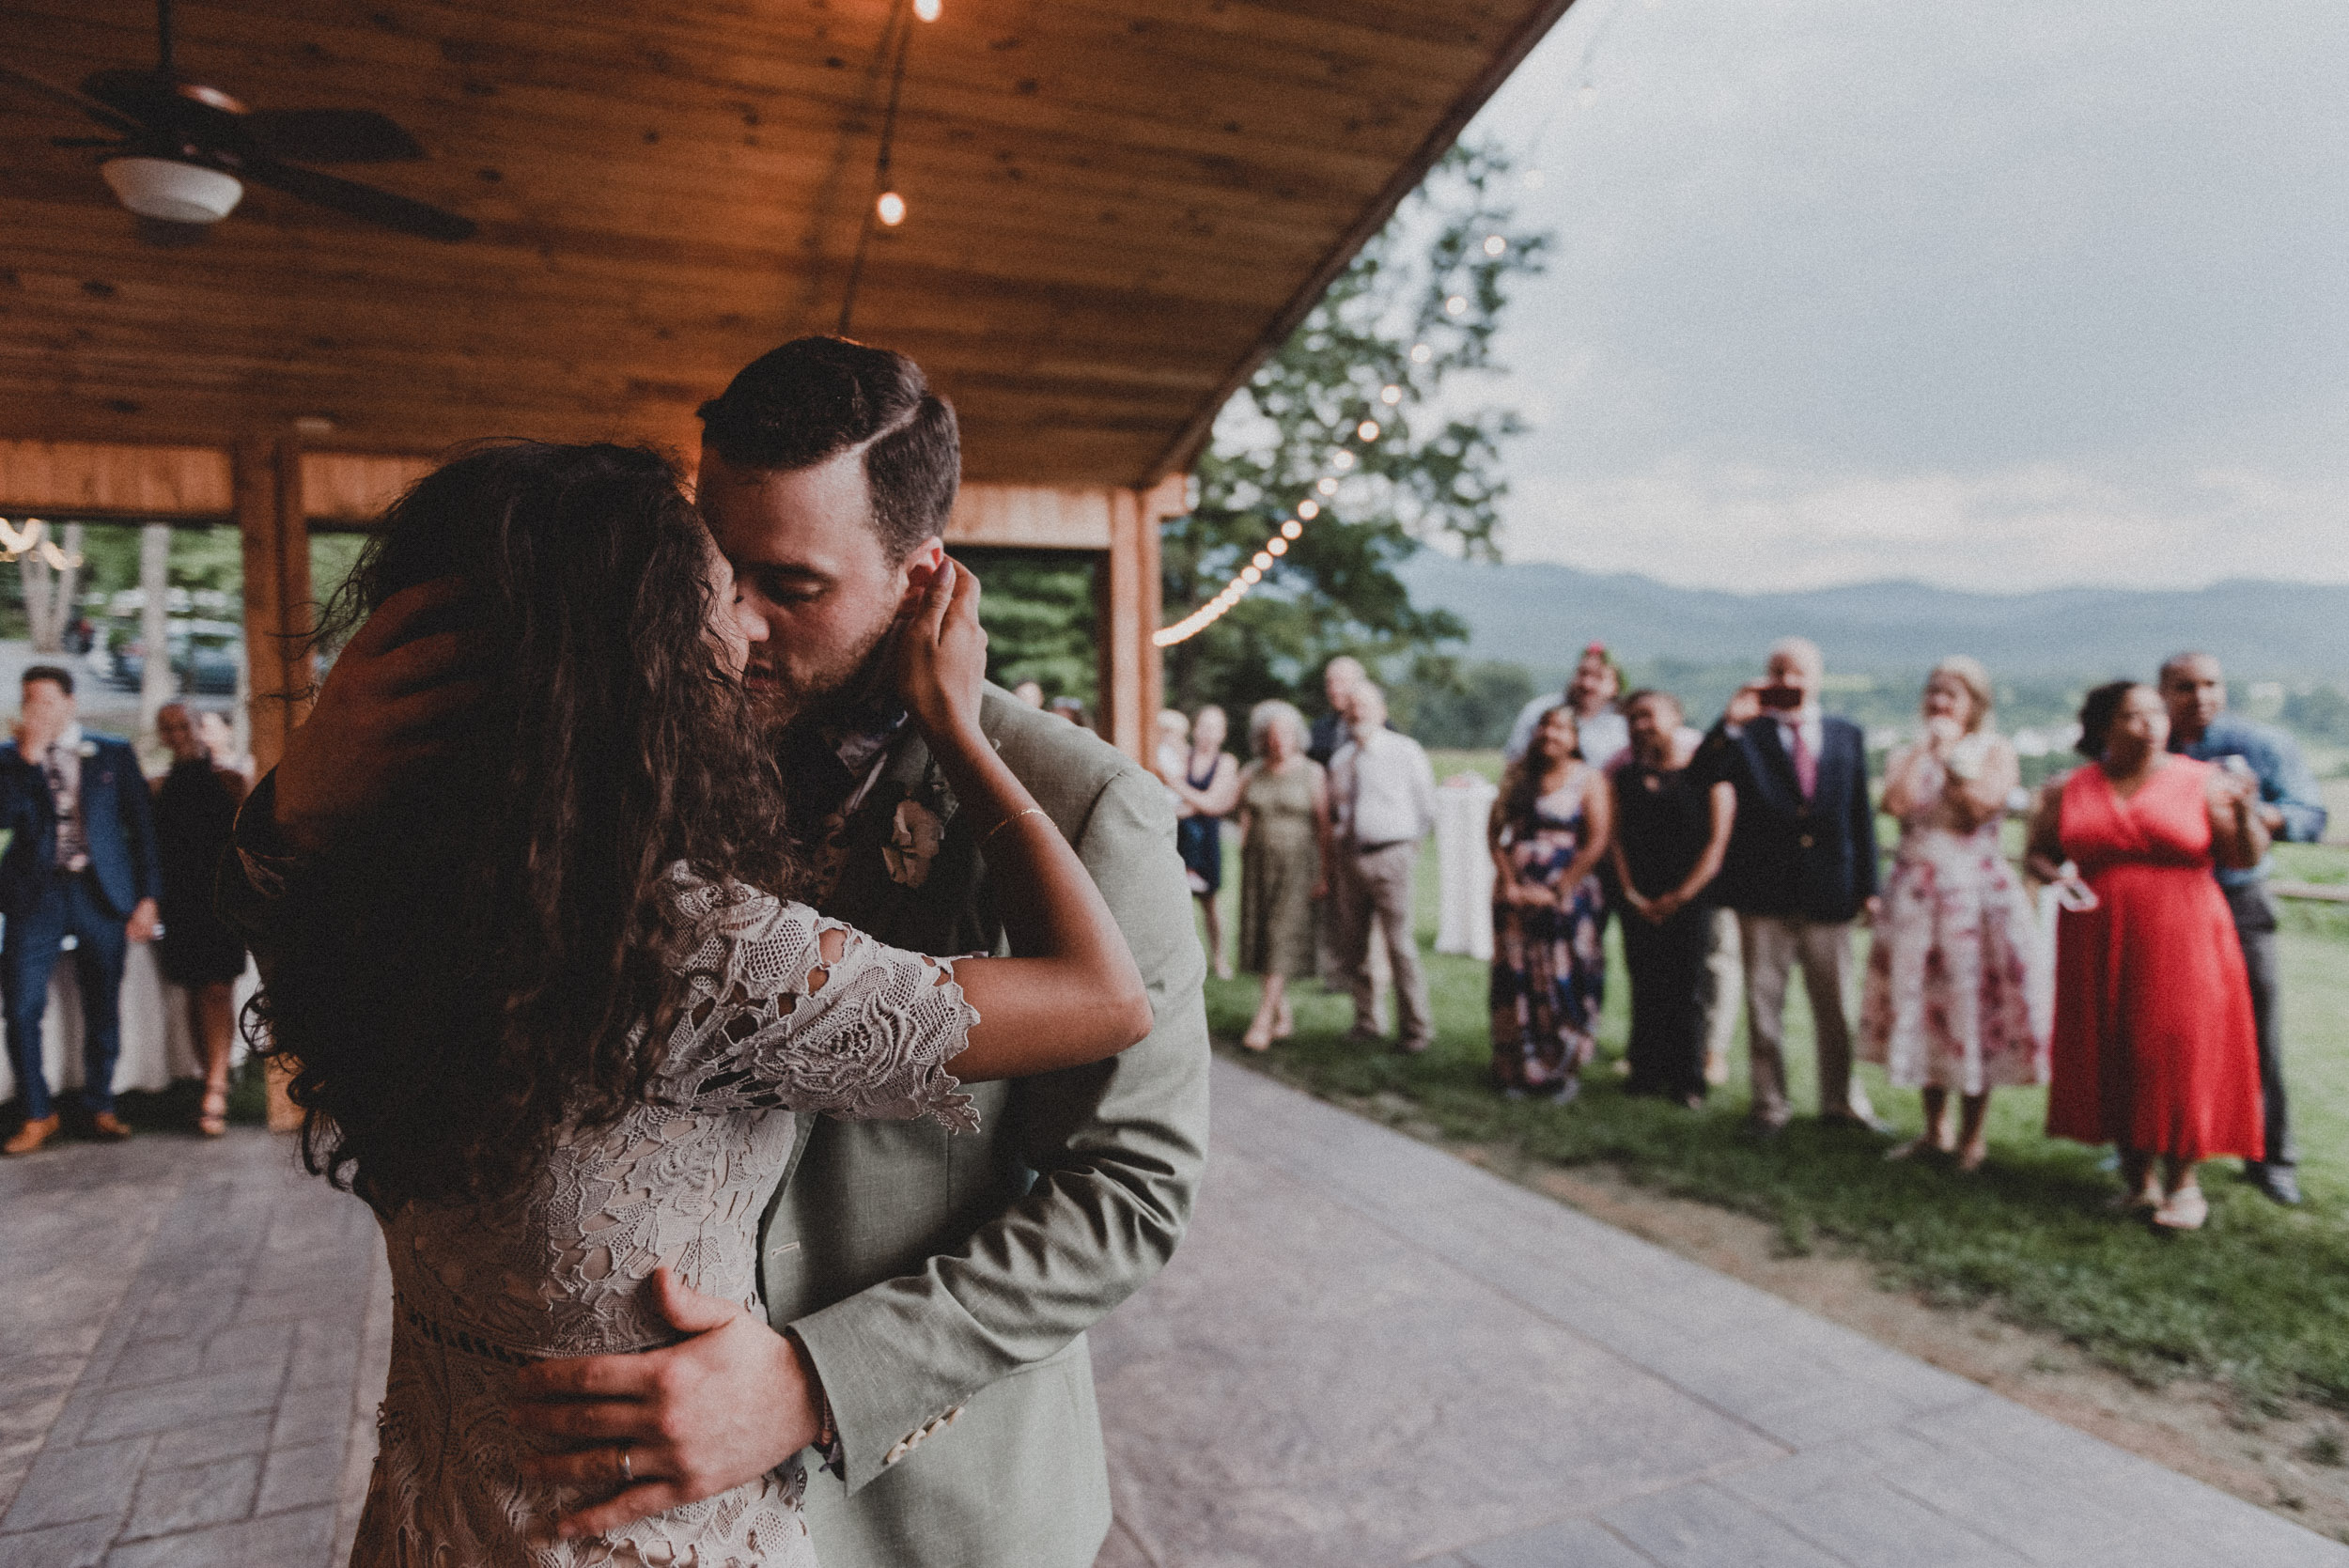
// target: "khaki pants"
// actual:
[[1773, 946], [1375, 885], [1724, 983]]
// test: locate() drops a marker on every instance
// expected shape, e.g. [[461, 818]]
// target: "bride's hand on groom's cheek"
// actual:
[[387, 708], [721, 1407]]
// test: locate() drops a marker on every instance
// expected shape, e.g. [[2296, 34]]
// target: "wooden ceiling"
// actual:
[[1116, 207]]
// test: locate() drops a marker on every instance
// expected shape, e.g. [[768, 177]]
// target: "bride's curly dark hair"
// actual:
[[461, 978]]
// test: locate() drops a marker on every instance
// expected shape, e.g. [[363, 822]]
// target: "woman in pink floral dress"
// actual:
[[1957, 993]]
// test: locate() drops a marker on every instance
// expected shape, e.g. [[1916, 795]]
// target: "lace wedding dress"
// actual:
[[559, 1269]]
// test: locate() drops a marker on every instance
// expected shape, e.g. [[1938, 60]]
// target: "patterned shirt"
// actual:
[[61, 765]]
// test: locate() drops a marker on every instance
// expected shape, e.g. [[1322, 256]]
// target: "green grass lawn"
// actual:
[[2257, 1299]]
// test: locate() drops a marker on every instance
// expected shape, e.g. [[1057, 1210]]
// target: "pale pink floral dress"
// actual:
[[1958, 995]]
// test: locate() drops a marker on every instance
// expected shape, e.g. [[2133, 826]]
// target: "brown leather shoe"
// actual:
[[31, 1135], [108, 1126]]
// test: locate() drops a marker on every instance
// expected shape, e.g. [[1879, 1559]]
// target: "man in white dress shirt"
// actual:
[[1382, 802], [1604, 734]]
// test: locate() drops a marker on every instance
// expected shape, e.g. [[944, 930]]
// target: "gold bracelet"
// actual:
[[1032, 811]]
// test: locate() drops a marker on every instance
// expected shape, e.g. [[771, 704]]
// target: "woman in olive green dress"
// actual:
[[1284, 842]]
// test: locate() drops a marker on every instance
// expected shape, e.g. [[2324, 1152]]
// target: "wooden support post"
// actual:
[[267, 475], [1122, 720]]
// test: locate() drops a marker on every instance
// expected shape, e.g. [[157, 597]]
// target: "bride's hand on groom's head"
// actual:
[[942, 653], [721, 1407], [390, 707]]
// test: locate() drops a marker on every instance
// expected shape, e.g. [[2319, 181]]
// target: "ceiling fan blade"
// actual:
[[183, 110], [360, 201], [105, 115], [331, 136]]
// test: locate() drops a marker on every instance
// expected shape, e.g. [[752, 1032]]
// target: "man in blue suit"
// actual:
[[81, 862], [1801, 867]]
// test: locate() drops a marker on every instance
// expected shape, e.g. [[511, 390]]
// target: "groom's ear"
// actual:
[[920, 564]]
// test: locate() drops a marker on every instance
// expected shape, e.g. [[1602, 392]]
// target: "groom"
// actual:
[[927, 1294]]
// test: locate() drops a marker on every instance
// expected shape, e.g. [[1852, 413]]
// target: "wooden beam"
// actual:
[[352, 488], [277, 608], [91, 479], [1132, 671], [1032, 517]]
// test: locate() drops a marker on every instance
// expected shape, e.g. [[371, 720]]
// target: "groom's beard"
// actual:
[[789, 691]]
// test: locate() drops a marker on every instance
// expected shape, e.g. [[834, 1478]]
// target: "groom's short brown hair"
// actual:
[[814, 398]]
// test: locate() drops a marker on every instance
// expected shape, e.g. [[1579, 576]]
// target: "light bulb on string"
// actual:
[[1249, 575], [928, 9], [1367, 430], [1276, 547], [1328, 486], [1495, 244], [1309, 509], [1263, 561], [1421, 353], [1340, 460], [889, 208], [1390, 396], [1455, 305], [1292, 528]]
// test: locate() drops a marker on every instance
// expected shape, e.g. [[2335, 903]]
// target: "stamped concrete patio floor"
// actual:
[[1367, 1354]]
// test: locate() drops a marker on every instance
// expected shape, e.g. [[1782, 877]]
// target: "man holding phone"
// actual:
[[1801, 867], [2194, 689]]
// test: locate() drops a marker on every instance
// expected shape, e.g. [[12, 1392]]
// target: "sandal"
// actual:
[[212, 1121], [2183, 1210]]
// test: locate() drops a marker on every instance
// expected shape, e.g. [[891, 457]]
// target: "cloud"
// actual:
[[1697, 523], [1994, 295]]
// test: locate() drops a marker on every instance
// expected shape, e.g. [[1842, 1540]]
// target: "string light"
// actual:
[[1456, 305], [1421, 353], [1290, 530], [1340, 460], [17, 542], [1367, 430], [1495, 244], [1328, 486], [889, 208], [1309, 509], [1390, 396], [1277, 547]]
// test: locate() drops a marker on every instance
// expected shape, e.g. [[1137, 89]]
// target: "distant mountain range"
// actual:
[[1540, 615]]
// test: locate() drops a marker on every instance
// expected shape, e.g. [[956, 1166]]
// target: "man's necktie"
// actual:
[[1805, 765]]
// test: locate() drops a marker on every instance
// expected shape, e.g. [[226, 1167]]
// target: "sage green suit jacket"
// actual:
[[942, 1283]]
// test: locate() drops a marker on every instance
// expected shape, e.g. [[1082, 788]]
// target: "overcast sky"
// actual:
[[2003, 294]]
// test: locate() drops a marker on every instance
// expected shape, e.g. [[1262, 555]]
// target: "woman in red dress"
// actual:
[[2155, 1049]]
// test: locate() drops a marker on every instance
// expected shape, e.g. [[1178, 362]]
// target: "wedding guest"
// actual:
[[1382, 802], [2155, 1048], [1207, 783], [2289, 807], [1592, 695], [1547, 834], [1339, 677], [195, 814], [1801, 867], [1671, 828], [1030, 692], [81, 864], [1955, 998], [1174, 742], [1072, 710], [1284, 850]]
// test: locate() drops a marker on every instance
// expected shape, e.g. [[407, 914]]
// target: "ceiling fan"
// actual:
[[183, 153]]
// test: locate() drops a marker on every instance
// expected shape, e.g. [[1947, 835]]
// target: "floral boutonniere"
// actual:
[[916, 836]]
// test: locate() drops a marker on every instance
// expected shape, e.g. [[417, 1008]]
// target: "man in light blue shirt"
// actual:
[[2194, 688]]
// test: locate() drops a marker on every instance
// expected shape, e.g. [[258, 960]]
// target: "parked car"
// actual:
[[206, 657]]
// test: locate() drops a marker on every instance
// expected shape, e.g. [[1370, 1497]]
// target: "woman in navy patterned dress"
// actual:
[[1550, 828]]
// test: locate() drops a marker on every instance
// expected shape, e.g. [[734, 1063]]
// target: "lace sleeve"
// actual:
[[768, 1023]]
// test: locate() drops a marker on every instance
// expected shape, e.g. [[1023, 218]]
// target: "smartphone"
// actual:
[[1779, 697]]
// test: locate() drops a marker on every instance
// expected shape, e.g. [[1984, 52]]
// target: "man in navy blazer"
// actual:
[[1801, 867], [81, 862]]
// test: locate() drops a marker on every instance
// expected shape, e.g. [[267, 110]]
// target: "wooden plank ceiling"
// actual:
[[1115, 205]]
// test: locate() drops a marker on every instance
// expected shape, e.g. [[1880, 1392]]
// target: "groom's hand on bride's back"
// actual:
[[389, 706], [721, 1407]]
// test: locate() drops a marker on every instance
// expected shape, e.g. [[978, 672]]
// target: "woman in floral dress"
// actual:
[[1958, 993], [1548, 833]]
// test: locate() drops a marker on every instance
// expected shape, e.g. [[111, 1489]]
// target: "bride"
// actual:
[[550, 1011]]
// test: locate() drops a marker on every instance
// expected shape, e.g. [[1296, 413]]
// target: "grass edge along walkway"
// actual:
[[2254, 1302]]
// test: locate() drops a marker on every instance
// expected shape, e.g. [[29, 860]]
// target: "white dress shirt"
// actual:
[[1383, 792], [1603, 737]]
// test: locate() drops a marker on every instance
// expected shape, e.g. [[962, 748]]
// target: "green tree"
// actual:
[[1360, 426]]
